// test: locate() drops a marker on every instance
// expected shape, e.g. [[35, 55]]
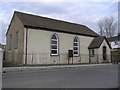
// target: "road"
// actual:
[[83, 77]]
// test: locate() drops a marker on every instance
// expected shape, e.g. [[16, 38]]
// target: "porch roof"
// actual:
[[97, 41]]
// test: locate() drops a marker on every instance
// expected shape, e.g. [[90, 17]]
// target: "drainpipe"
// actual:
[[1, 62], [26, 47], [89, 57]]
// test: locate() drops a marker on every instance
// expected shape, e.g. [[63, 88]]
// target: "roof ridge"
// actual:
[[38, 22], [51, 18]]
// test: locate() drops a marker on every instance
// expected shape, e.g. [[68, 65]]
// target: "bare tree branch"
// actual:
[[107, 26]]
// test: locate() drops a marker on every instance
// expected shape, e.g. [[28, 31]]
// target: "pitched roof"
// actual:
[[34, 21], [115, 38], [97, 41]]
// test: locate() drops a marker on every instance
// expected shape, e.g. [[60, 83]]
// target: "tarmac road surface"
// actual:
[[102, 76]]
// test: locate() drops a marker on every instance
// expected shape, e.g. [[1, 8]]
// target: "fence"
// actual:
[[48, 59]]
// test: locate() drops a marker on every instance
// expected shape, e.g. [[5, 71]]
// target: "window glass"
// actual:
[[54, 45], [93, 52], [54, 42], [54, 52], [76, 46]]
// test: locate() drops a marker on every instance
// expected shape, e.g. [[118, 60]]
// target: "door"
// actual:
[[104, 53]]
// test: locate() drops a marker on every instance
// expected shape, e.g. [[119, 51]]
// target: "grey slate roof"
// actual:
[[97, 41], [115, 38], [34, 21]]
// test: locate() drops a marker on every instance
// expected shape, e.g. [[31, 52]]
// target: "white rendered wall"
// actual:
[[38, 47]]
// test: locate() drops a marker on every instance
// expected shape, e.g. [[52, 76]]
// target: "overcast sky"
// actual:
[[76, 11]]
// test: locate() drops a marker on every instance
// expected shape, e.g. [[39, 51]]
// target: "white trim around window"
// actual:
[[76, 47], [54, 44]]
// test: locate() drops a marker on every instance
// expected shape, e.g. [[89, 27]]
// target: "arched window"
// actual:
[[76, 46], [54, 44]]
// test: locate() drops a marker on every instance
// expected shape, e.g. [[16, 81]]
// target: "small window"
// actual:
[[10, 42], [116, 43], [54, 45], [76, 46], [16, 40], [92, 52]]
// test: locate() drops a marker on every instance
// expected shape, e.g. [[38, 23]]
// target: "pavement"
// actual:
[[41, 68], [73, 76]]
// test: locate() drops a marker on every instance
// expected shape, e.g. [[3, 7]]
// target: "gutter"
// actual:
[[60, 30]]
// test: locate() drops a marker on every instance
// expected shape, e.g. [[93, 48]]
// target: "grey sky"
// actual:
[[86, 13]]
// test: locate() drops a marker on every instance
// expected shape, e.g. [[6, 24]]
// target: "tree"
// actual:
[[107, 26]]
